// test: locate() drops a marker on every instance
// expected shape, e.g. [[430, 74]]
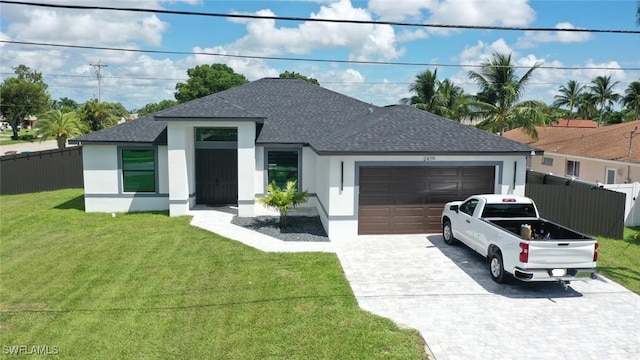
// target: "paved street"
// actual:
[[29, 146]]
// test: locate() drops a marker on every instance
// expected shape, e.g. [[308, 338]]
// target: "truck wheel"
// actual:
[[496, 268], [447, 233]]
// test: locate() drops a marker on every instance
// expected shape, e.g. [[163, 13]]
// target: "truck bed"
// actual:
[[540, 229]]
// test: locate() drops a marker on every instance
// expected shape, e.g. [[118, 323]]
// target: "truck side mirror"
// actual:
[[454, 208]]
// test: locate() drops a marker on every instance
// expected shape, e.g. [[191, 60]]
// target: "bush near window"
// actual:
[[283, 199]]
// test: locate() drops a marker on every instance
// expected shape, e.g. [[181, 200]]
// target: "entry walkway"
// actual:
[[446, 293]]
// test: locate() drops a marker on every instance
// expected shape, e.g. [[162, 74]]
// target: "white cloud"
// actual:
[[532, 38], [408, 35], [475, 54], [366, 41], [253, 69], [88, 27], [397, 10], [459, 12], [44, 25]]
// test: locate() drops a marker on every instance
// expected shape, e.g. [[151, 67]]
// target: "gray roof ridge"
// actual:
[[205, 100]]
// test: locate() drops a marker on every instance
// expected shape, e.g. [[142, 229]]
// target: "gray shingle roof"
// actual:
[[297, 112], [141, 130], [211, 106], [405, 129]]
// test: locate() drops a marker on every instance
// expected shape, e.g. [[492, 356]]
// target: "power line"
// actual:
[[350, 83], [298, 19], [360, 62]]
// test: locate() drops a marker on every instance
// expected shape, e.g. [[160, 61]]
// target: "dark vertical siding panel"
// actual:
[[593, 211], [41, 171]]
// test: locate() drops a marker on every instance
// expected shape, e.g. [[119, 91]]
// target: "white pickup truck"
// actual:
[[509, 232]]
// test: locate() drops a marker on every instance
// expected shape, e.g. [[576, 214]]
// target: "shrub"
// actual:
[[27, 137], [283, 199]]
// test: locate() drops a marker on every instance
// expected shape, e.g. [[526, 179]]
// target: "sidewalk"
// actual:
[[30, 146]]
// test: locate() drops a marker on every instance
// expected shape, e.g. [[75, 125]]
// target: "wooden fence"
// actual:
[[41, 171]]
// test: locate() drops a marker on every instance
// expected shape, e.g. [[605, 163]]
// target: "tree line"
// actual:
[[497, 106], [25, 95]]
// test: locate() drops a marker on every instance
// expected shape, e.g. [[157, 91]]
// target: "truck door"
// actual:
[[467, 222]]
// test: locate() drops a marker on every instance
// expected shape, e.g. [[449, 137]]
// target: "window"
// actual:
[[139, 170], [508, 210], [547, 161], [611, 176], [282, 166], [469, 207], [216, 134], [573, 168]]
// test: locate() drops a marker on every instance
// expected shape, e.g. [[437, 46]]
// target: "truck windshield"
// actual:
[[508, 210]]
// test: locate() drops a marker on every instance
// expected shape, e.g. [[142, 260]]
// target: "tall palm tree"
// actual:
[[451, 101], [60, 125], [587, 106], [631, 98], [569, 96], [602, 89], [425, 88], [498, 101]]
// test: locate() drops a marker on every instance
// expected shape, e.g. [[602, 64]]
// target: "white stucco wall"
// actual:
[[100, 169], [179, 168], [323, 177], [103, 182], [181, 159], [246, 168]]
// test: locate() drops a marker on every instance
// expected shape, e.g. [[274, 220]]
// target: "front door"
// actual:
[[216, 176]]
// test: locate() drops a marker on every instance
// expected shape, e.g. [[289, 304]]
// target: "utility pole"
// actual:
[[631, 136], [99, 67]]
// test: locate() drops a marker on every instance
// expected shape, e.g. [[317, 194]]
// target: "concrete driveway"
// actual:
[[447, 294]]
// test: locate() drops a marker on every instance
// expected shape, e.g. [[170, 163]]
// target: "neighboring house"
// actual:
[[604, 155], [575, 123], [369, 169]]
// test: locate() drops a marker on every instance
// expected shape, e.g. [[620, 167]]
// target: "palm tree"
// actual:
[[497, 103], [61, 125], [451, 101], [631, 98], [425, 88], [587, 106], [569, 96], [602, 89], [442, 98]]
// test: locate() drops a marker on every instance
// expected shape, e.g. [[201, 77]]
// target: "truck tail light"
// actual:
[[524, 252], [595, 252]]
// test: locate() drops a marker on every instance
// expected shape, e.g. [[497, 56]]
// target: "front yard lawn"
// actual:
[[145, 285], [619, 260]]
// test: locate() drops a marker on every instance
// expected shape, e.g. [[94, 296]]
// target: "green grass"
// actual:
[[5, 137], [619, 260], [145, 286]]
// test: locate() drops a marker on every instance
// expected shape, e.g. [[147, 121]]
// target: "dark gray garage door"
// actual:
[[410, 199]]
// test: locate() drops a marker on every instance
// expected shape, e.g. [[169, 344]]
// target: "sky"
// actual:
[[138, 78]]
